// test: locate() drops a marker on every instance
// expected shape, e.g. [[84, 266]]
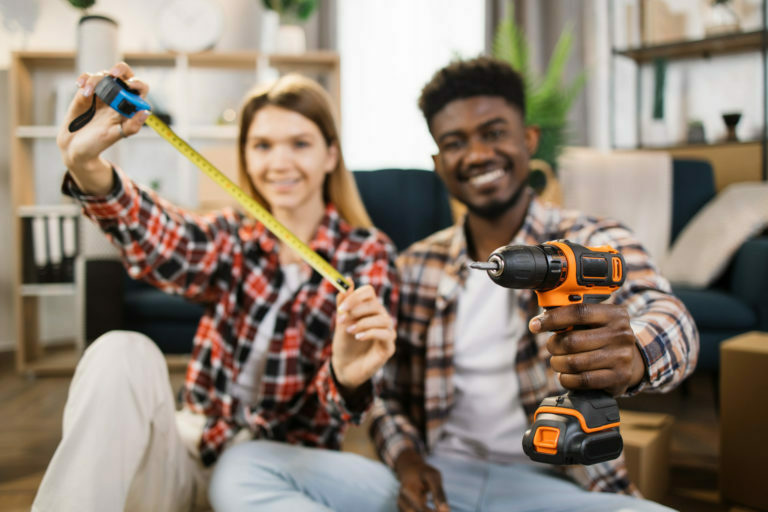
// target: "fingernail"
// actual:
[[342, 308], [113, 71], [358, 335], [88, 90], [351, 328], [340, 319], [80, 82], [535, 324], [143, 115]]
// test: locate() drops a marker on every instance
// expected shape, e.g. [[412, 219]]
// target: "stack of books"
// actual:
[[50, 243]]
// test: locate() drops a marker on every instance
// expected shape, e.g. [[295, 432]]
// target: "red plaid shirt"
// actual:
[[230, 264], [418, 393]]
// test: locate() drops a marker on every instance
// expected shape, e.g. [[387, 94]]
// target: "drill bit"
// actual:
[[485, 265]]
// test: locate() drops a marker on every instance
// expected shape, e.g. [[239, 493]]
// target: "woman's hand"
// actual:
[[81, 150], [364, 339]]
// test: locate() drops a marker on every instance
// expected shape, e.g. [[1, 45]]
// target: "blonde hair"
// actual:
[[306, 97]]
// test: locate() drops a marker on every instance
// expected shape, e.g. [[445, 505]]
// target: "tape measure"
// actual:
[[116, 93]]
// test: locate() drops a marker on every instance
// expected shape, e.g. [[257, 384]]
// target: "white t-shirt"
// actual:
[[487, 420], [246, 387]]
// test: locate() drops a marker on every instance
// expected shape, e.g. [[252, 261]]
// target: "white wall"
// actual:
[[389, 50]]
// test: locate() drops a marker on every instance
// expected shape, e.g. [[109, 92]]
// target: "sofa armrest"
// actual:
[[749, 280]]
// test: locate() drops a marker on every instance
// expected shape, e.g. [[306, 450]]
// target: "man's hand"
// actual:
[[364, 338], [418, 480], [601, 351]]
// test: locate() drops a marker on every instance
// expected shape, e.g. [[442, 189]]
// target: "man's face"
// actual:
[[483, 149]]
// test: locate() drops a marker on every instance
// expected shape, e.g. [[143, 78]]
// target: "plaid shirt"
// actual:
[[230, 264], [418, 393]]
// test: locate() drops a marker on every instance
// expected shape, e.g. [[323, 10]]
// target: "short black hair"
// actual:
[[481, 76]]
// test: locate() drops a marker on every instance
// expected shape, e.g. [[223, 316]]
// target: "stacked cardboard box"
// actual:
[[646, 451], [744, 420]]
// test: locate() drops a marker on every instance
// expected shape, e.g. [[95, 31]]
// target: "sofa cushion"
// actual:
[[693, 185], [716, 309], [406, 204], [709, 241], [152, 304]]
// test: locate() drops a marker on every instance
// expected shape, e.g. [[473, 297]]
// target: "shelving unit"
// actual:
[[721, 154], [193, 88]]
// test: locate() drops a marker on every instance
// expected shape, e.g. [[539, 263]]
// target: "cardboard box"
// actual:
[[646, 451], [744, 420]]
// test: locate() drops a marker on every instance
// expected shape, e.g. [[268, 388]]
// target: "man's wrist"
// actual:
[[406, 459]]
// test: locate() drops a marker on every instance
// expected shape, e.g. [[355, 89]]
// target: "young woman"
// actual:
[[278, 355]]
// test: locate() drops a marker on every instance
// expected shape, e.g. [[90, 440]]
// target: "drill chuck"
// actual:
[[535, 267]]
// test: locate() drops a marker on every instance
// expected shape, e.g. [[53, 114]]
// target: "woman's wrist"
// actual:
[[93, 177]]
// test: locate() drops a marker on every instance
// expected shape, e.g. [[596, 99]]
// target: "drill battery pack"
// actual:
[[575, 428]]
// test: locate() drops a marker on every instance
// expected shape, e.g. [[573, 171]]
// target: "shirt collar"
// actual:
[[324, 242]]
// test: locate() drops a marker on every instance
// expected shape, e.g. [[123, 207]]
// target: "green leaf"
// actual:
[[82, 4], [548, 99]]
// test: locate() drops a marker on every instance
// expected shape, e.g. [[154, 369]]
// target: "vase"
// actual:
[[270, 21], [291, 39], [97, 45]]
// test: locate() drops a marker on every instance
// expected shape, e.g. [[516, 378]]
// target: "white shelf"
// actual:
[[32, 210], [48, 289], [37, 132]]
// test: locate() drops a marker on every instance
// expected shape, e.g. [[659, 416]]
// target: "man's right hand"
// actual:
[[418, 481]]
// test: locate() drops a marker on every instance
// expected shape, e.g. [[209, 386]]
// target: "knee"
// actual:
[[243, 467], [120, 347]]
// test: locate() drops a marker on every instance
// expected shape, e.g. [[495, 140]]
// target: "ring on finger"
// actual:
[[122, 133]]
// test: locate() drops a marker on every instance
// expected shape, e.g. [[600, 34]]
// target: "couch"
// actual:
[[409, 205], [737, 302]]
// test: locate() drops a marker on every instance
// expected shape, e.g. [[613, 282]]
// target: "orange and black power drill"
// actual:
[[578, 427]]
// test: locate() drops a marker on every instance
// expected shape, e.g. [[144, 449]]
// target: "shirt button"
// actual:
[[134, 271]]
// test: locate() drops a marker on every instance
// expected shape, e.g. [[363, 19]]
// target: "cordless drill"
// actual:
[[578, 427]]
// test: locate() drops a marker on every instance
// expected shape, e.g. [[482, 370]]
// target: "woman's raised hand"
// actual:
[[81, 150]]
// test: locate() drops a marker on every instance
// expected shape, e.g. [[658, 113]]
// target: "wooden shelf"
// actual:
[[734, 144], [48, 289], [35, 75], [715, 45]]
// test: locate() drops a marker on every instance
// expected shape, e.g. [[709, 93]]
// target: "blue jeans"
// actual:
[[265, 476]]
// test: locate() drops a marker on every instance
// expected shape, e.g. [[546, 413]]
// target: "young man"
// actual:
[[473, 359]]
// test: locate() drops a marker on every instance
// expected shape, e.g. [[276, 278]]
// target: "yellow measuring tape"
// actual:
[[250, 204]]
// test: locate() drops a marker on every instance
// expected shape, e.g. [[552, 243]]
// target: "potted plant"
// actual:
[[288, 14], [548, 98]]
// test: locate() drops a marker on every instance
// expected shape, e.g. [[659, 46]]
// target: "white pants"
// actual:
[[124, 446]]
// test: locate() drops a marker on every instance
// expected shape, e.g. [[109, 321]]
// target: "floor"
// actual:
[[31, 426]]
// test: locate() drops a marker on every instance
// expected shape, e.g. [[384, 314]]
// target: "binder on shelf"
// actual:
[[49, 243]]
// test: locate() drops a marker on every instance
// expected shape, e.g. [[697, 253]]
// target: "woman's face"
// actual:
[[287, 158]]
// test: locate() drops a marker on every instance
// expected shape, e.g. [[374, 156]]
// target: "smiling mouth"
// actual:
[[485, 177], [284, 182]]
